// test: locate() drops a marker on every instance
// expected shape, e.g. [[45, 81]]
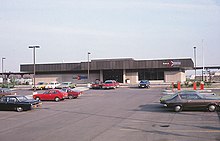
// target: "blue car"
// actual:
[[144, 84]]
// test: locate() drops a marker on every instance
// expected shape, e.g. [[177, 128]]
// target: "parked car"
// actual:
[[116, 84], [109, 84], [40, 86], [53, 94], [6, 91], [72, 93], [190, 99], [97, 84], [144, 84], [66, 85], [52, 85], [18, 103]]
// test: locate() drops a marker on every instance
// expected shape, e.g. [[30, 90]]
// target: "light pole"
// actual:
[[3, 71], [203, 68], [88, 65], [34, 53], [195, 61]]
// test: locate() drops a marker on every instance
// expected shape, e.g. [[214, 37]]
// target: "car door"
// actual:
[[45, 95], [3, 103], [49, 95], [11, 103], [53, 94], [194, 101]]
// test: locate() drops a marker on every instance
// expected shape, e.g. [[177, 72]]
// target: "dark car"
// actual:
[[6, 91], [18, 103], [144, 84], [190, 100]]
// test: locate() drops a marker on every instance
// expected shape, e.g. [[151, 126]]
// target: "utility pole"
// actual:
[[195, 61], [34, 58], [88, 66], [3, 70]]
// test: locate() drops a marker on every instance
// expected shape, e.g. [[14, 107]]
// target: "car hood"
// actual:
[[167, 97], [30, 101]]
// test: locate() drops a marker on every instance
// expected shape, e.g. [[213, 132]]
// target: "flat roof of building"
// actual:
[[109, 64]]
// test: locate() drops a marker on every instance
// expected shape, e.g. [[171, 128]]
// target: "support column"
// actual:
[[101, 75], [124, 75]]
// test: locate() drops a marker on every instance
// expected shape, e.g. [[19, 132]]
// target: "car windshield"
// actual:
[[108, 82], [64, 90], [52, 83], [21, 98], [65, 83], [40, 83], [171, 96], [144, 81]]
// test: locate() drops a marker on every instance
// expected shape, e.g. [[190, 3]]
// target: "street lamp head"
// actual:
[[89, 53], [194, 47], [34, 46], [3, 58]]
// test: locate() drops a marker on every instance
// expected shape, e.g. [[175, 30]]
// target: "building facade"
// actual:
[[123, 70]]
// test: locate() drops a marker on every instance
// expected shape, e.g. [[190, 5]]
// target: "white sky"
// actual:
[[141, 29]]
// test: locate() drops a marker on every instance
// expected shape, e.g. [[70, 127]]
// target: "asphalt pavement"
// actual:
[[124, 114]]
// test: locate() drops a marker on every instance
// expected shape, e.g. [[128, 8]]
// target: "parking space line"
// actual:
[[195, 131]]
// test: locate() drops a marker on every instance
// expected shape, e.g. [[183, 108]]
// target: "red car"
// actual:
[[72, 93], [116, 83], [53, 94], [97, 84], [109, 84]]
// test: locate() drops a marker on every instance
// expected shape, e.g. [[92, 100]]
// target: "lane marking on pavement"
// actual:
[[138, 121], [129, 129], [195, 131]]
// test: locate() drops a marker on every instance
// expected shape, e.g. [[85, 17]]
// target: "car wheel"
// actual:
[[178, 108], [37, 98], [75, 97], [57, 99], [19, 109], [70, 96], [212, 108]]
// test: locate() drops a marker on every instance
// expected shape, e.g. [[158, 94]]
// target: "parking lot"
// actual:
[[109, 115]]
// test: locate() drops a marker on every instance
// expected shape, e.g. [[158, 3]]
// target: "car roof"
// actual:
[[14, 96]]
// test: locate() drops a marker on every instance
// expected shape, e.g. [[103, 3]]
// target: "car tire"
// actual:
[[70, 96], [57, 99], [37, 98], [178, 108], [19, 109], [212, 108]]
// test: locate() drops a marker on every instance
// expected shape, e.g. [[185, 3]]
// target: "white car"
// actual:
[[52, 85]]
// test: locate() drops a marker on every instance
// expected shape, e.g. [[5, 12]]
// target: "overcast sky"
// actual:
[[141, 29]]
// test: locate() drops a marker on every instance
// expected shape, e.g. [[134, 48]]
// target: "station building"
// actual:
[[125, 70]]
